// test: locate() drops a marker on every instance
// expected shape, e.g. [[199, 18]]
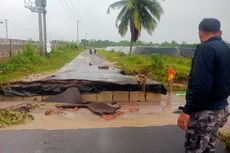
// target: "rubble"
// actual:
[[16, 114], [109, 117], [106, 111], [105, 67]]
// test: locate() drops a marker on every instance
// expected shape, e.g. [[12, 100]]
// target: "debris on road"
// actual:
[[106, 111], [97, 108], [109, 117], [102, 108], [16, 114], [53, 111], [104, 67]]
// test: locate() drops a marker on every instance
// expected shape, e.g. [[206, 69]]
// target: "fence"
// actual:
[[8, 47]]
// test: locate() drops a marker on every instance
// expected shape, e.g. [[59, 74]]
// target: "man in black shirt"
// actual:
[[206, 105]]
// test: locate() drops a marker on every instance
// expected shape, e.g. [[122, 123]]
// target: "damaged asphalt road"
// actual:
[[87, 78], [162, 139]]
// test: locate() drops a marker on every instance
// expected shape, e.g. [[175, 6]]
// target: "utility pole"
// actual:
[[45, 33], [6, 26], [40, 31], [78, 40], [6, 22], [39, 6]]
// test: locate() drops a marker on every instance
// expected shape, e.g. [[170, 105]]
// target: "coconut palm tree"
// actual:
[[136, 14]]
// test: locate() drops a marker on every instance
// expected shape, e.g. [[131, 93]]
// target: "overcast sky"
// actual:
[[179, 21]]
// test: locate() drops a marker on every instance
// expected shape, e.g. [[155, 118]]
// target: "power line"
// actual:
[[70, 10], [21, 27], [66, 10], [74, 10]]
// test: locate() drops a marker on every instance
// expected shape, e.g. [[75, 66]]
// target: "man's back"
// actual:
[[209, 80], [221, 75], [206, 108]]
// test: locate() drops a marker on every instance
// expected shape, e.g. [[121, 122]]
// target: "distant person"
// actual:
[[95, 51], [206, 109], [90, 51], [170, 77]]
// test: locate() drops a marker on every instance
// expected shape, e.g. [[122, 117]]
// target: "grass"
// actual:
[[151, 65], [28, 61]]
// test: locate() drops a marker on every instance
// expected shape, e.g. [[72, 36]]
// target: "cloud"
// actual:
[[179, 21]]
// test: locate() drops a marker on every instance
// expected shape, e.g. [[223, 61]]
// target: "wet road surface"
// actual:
[[85, 67], [161, 139]]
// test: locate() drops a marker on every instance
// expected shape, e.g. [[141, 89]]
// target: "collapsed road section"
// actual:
[[84, 73]]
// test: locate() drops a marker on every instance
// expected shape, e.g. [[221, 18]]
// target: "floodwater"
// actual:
[[178, 52], [133, 114], [152, 125]]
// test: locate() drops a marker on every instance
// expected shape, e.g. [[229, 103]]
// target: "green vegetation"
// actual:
[[153, 66], [225, 138], [17, 114], [10, 117], [28, 61], [108, 43], [137, 15]]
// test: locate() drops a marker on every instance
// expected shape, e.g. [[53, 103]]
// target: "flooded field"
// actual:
[[178, 52]]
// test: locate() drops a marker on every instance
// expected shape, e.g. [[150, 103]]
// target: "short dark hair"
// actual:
[[210, 25]]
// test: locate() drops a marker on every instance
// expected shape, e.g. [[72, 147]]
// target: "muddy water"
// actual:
[[159, 112], [179, 52], [163, 111]]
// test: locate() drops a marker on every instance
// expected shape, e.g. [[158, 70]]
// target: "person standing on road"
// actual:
[[206, 110], [170, 77]]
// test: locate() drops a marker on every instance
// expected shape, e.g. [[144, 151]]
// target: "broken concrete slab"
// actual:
[[88, 79], [70, 95], [97, 108], [102, 108]]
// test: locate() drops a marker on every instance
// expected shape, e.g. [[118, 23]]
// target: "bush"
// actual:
[[152, 66], [157, 61], [21, 59]]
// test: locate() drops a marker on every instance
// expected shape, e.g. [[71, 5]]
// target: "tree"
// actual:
[[136, 14]]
